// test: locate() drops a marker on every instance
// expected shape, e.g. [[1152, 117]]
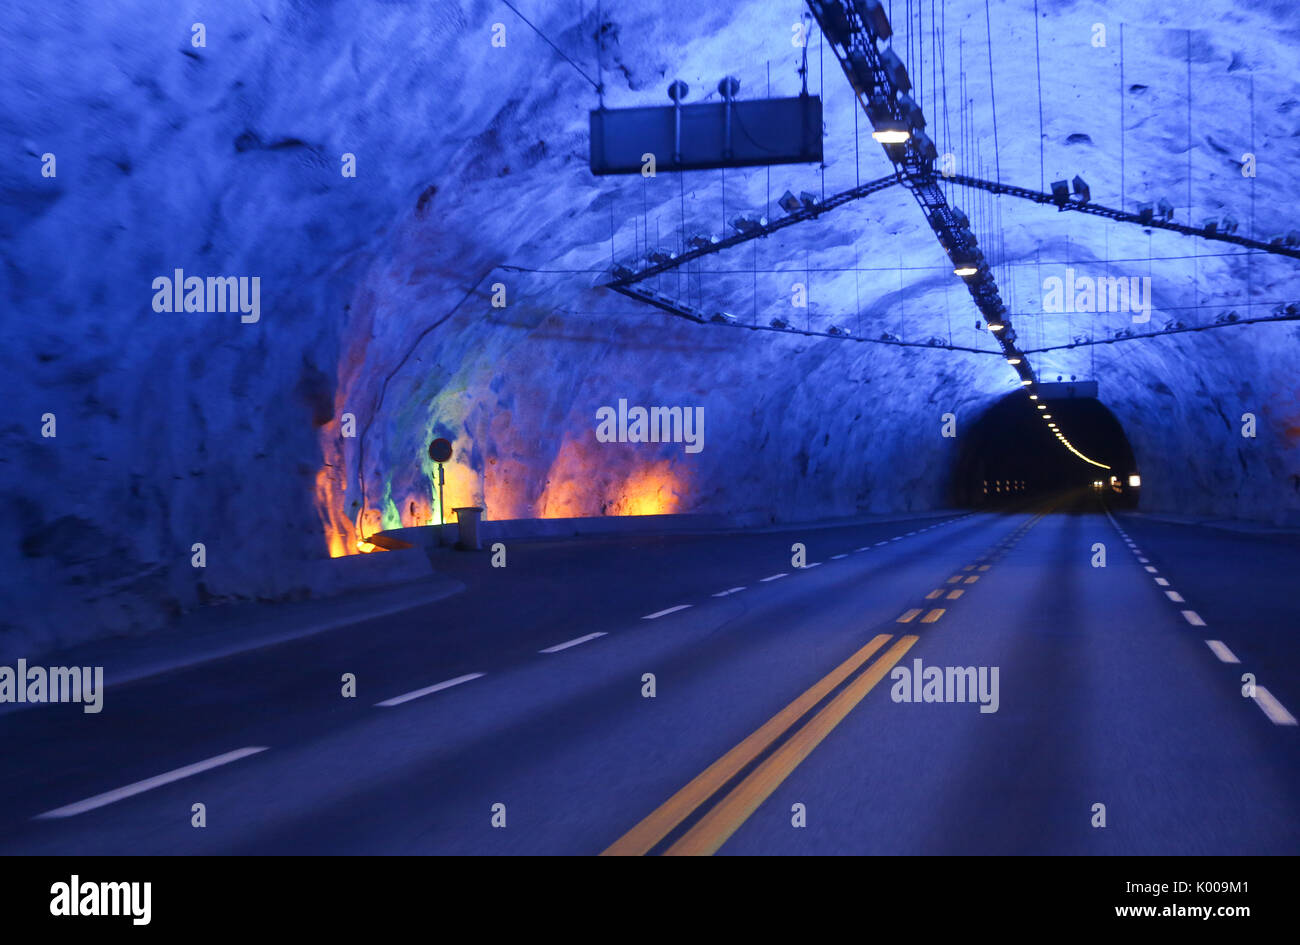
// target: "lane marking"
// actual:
[[955, 593], [815, 564], [1276, 712], [984, 567], [879, 543], [863, 548], [972, 579], [730, 590], [427, 690], [663, 613], [1193, 618], [933, 615], [1162, 582], [568, 643], [772, 577], [148, 784], [954, 579], [838, 557], [899, 538], [660, 822], [713, 830], [1221, 650], [909, 615], [1175, 597], [1143, 561], [1151, 570], [937, 592]]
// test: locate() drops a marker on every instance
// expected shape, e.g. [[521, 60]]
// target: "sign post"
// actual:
[[440, 452]]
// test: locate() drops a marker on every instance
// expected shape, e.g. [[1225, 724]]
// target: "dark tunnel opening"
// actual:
[[1010, 453]]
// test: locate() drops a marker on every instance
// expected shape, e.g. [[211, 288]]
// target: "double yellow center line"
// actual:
[[725, 817]]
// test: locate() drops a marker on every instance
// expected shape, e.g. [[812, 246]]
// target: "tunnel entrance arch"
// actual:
[[1008, 453]]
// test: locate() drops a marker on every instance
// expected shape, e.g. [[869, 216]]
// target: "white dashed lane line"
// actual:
[[729, 591], [1276, 712], [428, 690], [1193, 618], [568, 643], [139, 787], [1220, 649], [772, 577], [664, 613], [1175, 597], [838, 557]]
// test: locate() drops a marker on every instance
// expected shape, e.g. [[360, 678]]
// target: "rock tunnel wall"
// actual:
[[375, 300]]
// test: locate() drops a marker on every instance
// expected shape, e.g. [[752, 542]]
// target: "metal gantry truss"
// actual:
[[1278, 246], [624, 276]]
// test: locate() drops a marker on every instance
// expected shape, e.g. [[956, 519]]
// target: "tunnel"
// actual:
[[1009, 454], [620, 412]]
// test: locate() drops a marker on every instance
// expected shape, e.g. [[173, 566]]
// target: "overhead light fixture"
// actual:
[[1060, 192], [789, 203], [700, 241], [723, 318], [996, 326], [1047, 416], [1033, 396], [1026, 383], [749, 224], [1081, 189], [1041, 407], [891, 131], [1013, 360]]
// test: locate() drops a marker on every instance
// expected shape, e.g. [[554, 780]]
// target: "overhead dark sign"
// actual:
[[710, 135]]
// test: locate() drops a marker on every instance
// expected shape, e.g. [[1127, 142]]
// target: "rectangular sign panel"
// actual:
[[1064, 390], [698, 137]]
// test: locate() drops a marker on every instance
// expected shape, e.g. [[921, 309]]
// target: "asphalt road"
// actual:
[[775, 704]]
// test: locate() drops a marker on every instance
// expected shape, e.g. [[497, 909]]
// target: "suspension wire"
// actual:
[[1038, 63], [594, 84], [993, 95], [1121, 116]]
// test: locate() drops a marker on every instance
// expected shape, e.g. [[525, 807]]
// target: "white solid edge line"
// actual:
[[815, 564], [1276, 712], [568, 643], [1175, 597], [139, 787], [1193, 618], [730, 590], [426, 691], [772, 577], [664, 613], [1221, 650]]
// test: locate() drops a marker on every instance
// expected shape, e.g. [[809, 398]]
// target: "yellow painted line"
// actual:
[[955, 593], [954, 579], [910, 615], [984, 567], [938, 591], [713, 830], [969, 567], [972, 579], [641, 838], [933, 615]]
